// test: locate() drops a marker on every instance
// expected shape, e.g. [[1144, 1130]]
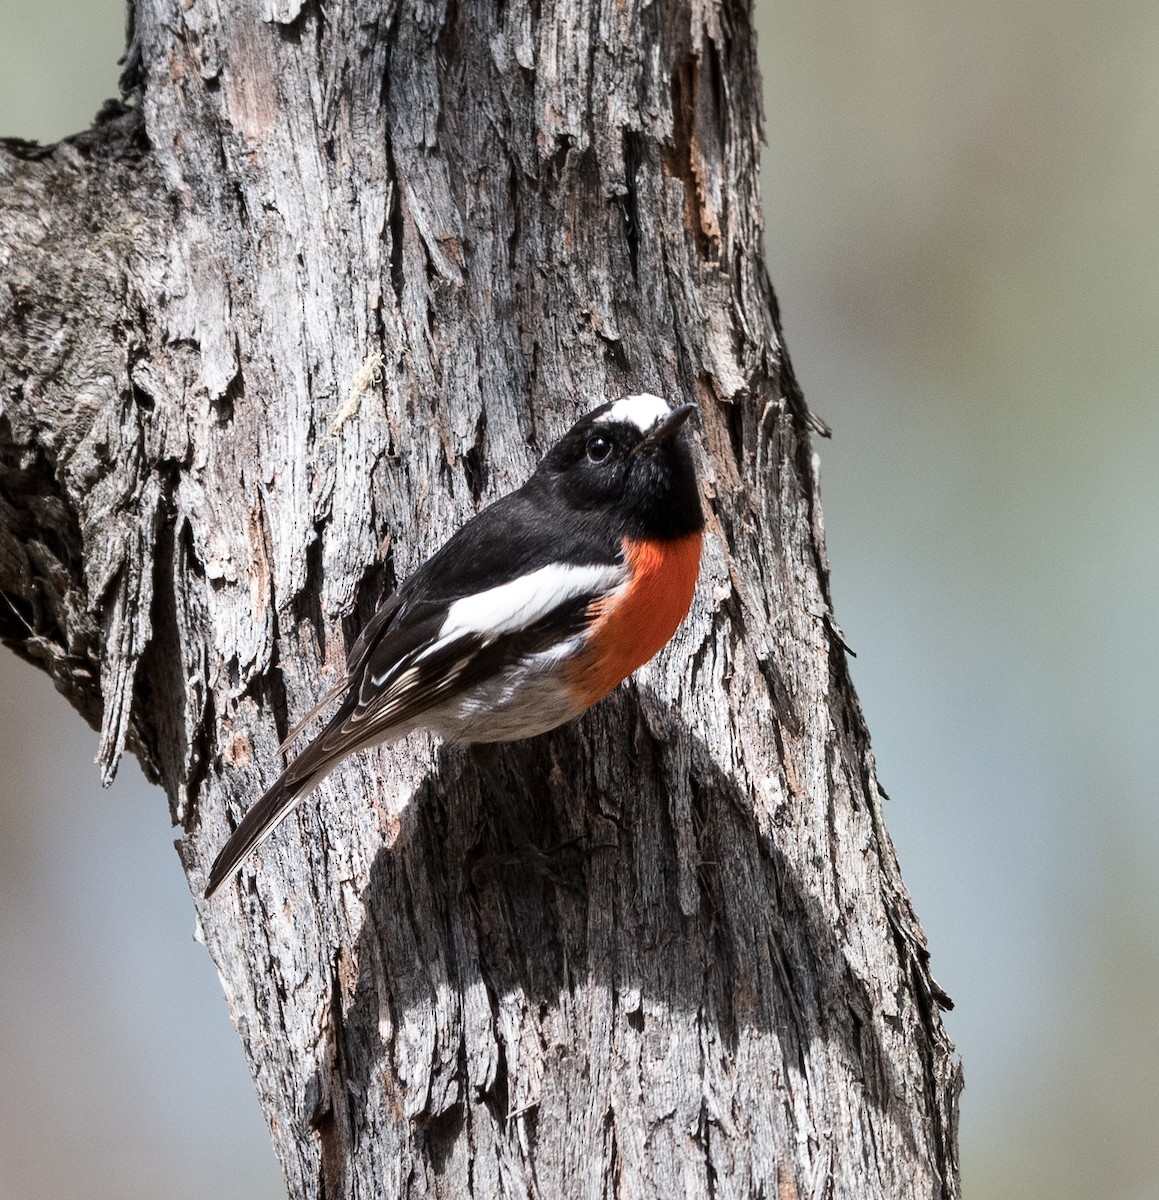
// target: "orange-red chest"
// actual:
[[637, 622]]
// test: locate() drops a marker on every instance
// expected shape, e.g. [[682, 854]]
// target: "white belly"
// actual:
[[528, 698]]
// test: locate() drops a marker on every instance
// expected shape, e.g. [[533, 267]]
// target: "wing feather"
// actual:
[[436, 638]]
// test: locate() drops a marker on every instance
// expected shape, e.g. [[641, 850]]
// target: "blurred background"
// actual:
[[962, 206]]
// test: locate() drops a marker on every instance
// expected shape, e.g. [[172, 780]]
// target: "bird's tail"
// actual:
[[297, 780]]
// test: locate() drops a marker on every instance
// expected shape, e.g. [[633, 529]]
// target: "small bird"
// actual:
[[534, 610]]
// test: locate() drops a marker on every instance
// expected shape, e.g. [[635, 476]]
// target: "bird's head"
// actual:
[[628, 459]]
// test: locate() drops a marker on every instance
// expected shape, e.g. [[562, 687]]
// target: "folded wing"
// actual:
[[418, 657]]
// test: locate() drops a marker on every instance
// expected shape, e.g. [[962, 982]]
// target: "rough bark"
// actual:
[[266, 338]]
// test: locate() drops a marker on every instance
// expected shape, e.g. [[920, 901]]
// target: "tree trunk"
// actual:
[[267, 338]]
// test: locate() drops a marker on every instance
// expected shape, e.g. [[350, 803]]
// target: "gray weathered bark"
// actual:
[[267, 338]]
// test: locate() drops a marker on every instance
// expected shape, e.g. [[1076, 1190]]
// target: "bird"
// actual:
[[529, 614]]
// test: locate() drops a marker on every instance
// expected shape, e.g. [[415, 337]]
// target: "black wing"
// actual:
[[401, 666]]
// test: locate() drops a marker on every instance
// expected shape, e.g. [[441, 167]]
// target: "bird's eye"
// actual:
[[598, 448]]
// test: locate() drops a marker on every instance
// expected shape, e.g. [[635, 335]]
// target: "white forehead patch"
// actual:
[[643, 411]]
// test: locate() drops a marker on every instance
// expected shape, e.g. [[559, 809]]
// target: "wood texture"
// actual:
[[266, 338]]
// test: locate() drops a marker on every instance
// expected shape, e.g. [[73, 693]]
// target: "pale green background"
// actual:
[[963, 228]]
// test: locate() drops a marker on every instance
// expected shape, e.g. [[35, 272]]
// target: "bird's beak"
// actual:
[[669, 426]]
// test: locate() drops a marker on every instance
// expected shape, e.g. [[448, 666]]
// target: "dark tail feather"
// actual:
[[265, 816]]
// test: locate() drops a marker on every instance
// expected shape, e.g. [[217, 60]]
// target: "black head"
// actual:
[[627, 459]]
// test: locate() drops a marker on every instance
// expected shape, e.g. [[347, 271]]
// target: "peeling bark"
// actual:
[[266, 339]]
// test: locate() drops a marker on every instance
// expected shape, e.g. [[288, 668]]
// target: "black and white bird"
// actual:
[[530, 613]]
